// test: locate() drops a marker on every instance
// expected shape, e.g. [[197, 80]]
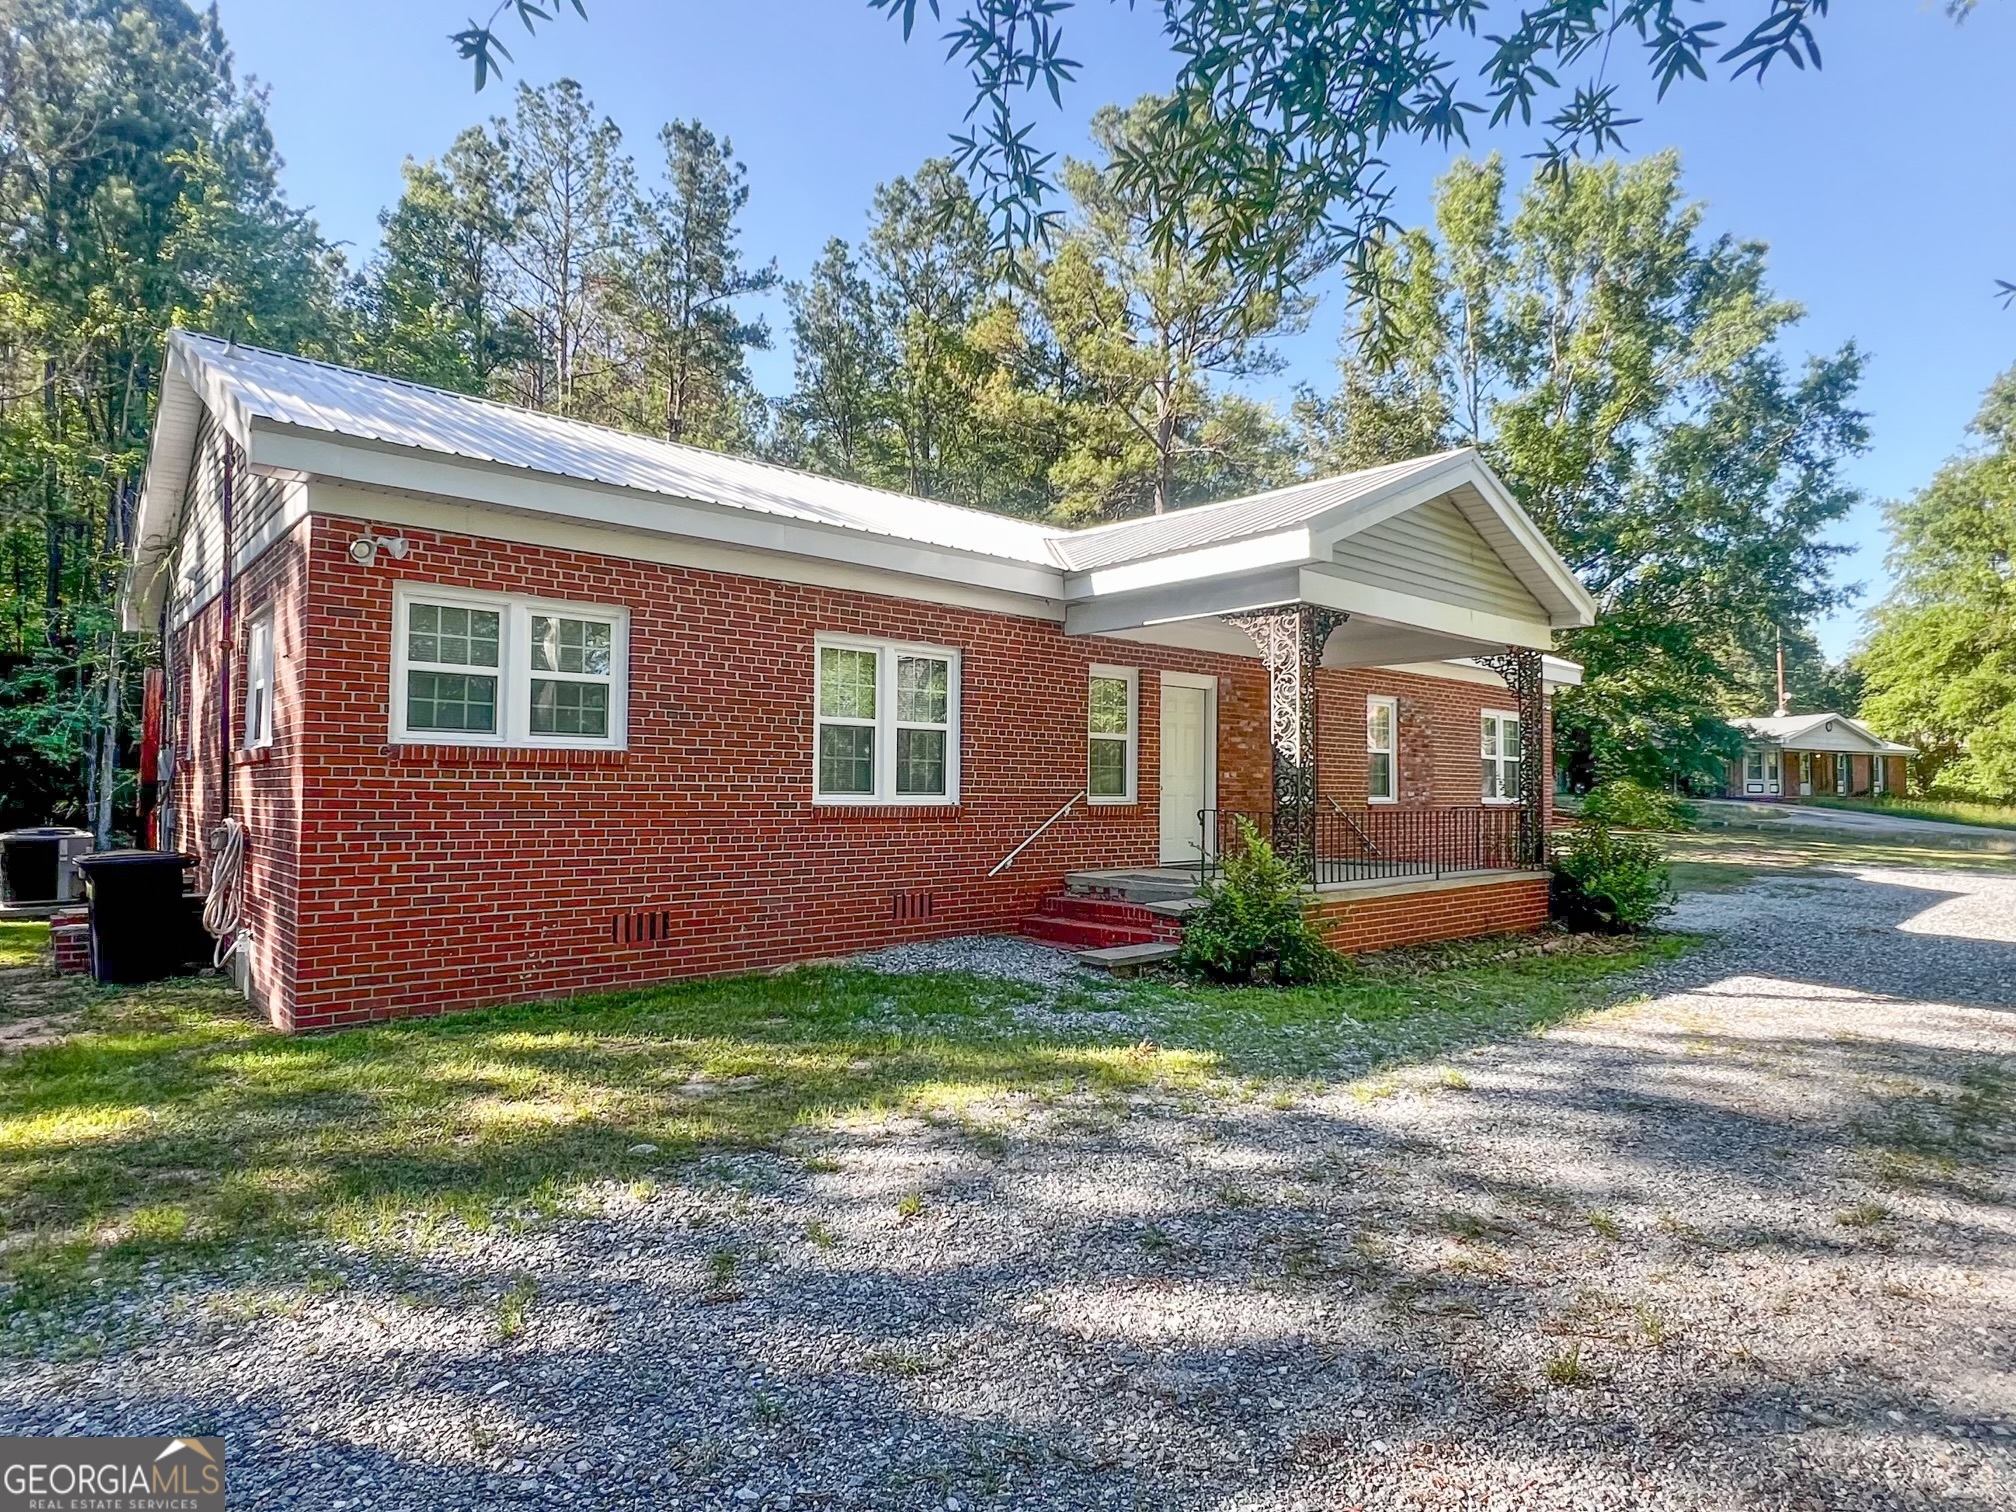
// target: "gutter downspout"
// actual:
[[224, 645]]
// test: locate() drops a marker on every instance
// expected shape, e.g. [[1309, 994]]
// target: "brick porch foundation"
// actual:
[[1420, 911]]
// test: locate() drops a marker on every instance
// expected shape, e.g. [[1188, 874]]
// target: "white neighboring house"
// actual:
[[1808, 755]]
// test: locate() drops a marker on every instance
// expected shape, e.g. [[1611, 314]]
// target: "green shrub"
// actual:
[[1606, 882], [1252, 927], [1623, 804]]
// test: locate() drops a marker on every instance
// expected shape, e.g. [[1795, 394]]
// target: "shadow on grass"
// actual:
[[174, 1123]]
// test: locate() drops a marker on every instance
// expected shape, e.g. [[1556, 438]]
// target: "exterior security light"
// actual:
[[364, 550]]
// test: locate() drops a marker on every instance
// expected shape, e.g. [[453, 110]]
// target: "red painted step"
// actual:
[[1083, 923], [1078, 935]]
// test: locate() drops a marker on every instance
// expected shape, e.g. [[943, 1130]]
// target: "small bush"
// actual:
[[1623, 804], [1251, 927], [1607, 882]]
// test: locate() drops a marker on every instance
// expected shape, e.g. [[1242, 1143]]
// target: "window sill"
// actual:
[[507, 756], [1112, 803], [251, 756]]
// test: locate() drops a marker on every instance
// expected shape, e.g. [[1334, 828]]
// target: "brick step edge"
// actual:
[[1109, 911], [1084, 936]]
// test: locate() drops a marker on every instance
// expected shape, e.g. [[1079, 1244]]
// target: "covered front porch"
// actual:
[[1421, 565]]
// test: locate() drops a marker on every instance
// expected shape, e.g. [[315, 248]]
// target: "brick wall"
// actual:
[[267, 785], [1439, 762], [1415, 914], [396, 880]]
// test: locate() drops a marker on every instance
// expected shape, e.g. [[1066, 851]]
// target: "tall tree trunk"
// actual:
[[108, 759]]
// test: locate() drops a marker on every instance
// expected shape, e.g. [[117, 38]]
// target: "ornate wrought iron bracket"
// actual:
[[1522, 671], [1291, 641]]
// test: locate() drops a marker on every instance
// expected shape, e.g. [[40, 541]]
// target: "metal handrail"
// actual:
[[1008, 859]]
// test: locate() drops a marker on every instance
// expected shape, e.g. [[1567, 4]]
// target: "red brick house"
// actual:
[[1793, 756], [513, 707]]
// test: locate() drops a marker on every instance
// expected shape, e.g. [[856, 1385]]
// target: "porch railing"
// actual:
[[1338, 844]]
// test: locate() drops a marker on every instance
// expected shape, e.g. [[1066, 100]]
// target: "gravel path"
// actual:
[[1747, 1244]]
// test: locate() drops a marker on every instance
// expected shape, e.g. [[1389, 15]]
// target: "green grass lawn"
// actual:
[[171, 1123], [1948, 811], [1715, 860], [23, 942]]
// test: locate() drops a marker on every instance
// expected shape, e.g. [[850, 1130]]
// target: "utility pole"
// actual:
[[1782, 709]]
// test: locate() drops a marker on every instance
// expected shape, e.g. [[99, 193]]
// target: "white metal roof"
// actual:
[[260, 386], [306, 418], [1234, 519]]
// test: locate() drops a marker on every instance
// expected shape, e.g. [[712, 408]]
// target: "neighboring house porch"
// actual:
[[1788, 757]]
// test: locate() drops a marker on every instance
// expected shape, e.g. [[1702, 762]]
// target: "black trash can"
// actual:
[[30, 864], [137, 915]]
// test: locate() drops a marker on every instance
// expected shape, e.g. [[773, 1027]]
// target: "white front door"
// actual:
[[1188, 777]]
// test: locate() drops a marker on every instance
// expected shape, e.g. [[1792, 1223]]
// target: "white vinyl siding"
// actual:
[[259, 506], [1382, 748], [1433, 552], [1501, 756], [885, 722], [493, 669], [1112, 712]]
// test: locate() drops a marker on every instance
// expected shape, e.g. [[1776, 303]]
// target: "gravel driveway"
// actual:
[[1746, 1244]]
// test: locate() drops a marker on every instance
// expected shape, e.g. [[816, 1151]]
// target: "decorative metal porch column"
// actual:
[[1521, 670], [1291, 640]]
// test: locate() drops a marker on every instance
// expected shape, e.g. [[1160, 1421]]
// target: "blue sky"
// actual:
[[1885, 184]]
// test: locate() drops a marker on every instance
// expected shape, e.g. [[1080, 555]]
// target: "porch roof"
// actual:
[[1820, 732]]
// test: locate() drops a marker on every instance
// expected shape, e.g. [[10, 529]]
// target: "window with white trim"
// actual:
[[886, 723], [1844, 774], [1501, 756], [1109, 730], [1382, 745], [258, 728], [494, 669]]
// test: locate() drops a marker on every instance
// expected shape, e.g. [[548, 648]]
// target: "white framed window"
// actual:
[[258, 728], [1754, 770], [1878, 778], [1844, 774], [1382, 746], [1501, 756], [886, 722], [496, 669], [1112, 715]]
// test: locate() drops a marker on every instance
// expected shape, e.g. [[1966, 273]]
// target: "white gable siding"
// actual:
[[1462, 567], [261, 509]]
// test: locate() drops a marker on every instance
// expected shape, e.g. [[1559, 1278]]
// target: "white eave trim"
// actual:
[[467, 482]]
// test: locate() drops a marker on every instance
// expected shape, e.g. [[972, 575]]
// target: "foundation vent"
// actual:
[[648, 928], [912, 905]]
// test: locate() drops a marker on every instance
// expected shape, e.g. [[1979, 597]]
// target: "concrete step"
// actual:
[[1131, 887], [1126, 960]]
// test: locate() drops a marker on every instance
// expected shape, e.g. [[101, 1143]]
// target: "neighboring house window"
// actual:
[[1844, 775], [1754, 772], [1382, 739], [1501, 756], [1877, 775], [1110, 760], [259, 682], [886, 723], [487, 669]]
